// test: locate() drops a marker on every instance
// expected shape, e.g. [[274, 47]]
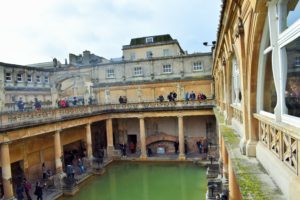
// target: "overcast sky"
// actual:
[[34, 31]]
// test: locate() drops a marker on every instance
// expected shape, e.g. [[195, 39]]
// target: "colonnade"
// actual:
[[58, 150]]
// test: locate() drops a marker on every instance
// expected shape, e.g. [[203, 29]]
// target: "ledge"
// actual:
[[253, 180]]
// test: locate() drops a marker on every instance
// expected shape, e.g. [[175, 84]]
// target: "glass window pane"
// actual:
[[292, 98], [290, 13], [293, 12], [270, 98]]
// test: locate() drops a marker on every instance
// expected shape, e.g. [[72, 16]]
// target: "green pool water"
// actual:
[[146, 181]]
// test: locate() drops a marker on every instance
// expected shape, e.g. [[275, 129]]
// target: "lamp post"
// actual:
[[212, 45]]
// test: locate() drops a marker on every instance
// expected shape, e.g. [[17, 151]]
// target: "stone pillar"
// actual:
[[54, 97], [181, 138], [234, 190], [89, 141], [6, 172], [225, 160], [58, 152], [143, 139], [109, 136]]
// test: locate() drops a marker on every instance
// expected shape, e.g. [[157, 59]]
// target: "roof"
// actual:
[[21, 66], [156, 39]]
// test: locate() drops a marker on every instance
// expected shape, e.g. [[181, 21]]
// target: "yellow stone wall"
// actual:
[[150, 92]]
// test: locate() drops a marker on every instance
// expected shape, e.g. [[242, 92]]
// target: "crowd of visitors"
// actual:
[[73, 101], [172, 96], [74, 162], [192, 96], [37, 104]]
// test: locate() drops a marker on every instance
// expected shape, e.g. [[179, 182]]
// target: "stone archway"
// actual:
[[161, 140], [70, 84]]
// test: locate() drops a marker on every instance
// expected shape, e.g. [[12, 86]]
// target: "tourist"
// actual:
[[38, 191], [199, 146], [80, 165], [149, 152], [37, 104], [21, 104], [187, 96], [74, 101], [90, 101], [170, 96], [123, 148], [132, 147], [176, 145], [27, 187], [120, 99], [124, 99], [174, 96], [2, 190], [19, 191], [161, 98], [44, 171], [192, 96]]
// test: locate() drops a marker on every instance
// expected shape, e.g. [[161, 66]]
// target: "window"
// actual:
[[166, 52], [29, 78], [110, 73], [236, 83], [167, 68], [297, 62], [138, 71], [46, 79], [149, 54], [279, 73], [8, 77], [132, 56], [289, 13], [19, 78], [149, 39], [197, 66], [38, 79], [269, 96], [292, 91]]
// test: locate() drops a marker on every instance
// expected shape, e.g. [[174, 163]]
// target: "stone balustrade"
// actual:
[[19, 119], [237, 113], [281, 139]]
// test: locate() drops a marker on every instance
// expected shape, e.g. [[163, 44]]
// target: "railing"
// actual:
[[280, 139], [19, 119], [237, 113]]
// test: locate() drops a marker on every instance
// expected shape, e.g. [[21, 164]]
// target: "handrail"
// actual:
[[16, 119]]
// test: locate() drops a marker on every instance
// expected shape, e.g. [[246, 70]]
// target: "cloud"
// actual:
[[37, 31]]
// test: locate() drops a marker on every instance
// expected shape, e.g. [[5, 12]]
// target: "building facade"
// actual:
[[256, 82]]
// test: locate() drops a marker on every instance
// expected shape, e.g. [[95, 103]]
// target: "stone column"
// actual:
[[234, 190], [54, 96], [6, 172], [58, 152], [109, 136], [143, 139], [225, 159], [89, 141], [181, 138]]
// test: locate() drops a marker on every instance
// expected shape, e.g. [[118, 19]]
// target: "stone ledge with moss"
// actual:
[[253, 180]]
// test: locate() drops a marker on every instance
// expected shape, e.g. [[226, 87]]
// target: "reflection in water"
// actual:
[[147, 181]]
